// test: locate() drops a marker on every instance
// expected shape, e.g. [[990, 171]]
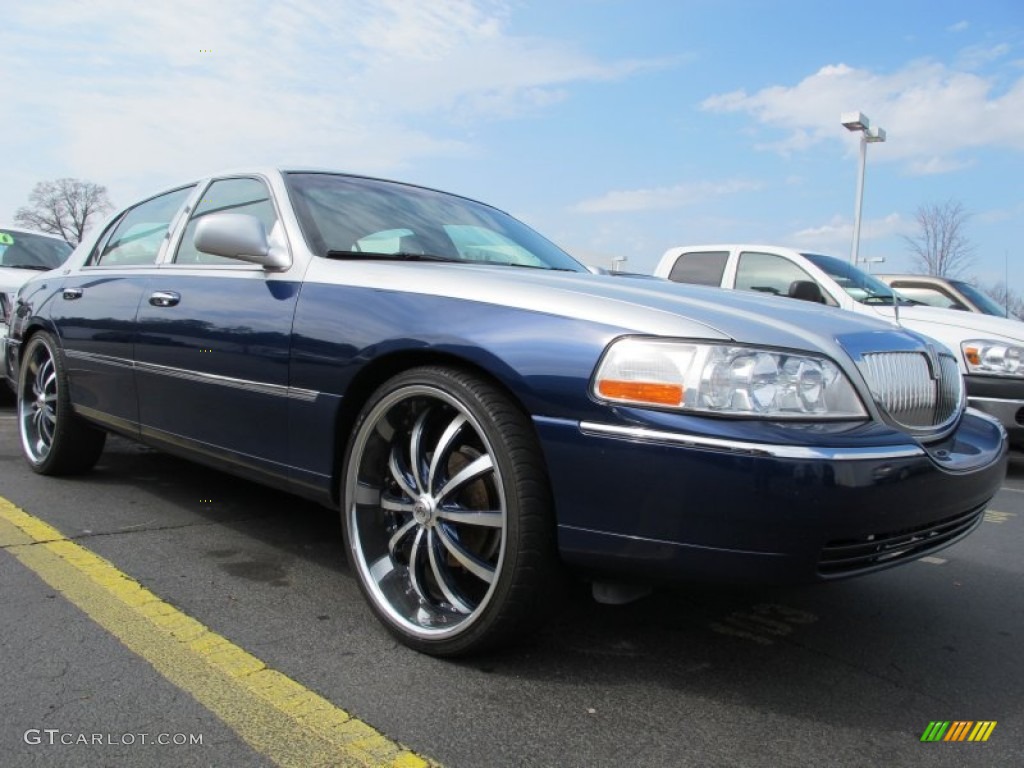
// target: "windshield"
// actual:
[[982, 300], [23, 250], [346, 215], [860, 285]]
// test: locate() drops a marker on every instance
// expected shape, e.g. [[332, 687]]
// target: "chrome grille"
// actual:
[[916, 392]]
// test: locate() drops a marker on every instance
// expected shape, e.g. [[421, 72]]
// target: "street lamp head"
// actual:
[[858, 122], [855, 121]]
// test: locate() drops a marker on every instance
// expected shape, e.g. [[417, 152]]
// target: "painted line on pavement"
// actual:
[[282, 720], [995, 516]]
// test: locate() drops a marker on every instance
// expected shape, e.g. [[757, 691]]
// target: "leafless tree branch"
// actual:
[[64, 207], [1006, 296], [941, 246]]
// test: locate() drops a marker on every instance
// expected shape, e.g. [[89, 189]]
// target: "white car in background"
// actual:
[[990, 350], [945, 292], [23, 253]]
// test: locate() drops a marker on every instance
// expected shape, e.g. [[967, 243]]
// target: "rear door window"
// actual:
[[138, 236], [700, 268]]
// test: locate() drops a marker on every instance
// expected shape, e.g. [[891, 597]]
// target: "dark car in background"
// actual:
[[486, 413]]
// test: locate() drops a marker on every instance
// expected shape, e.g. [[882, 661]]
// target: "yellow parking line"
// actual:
[[995, 516], [276, 716]]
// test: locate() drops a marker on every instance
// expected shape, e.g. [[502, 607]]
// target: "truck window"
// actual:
[[768, 273], [699, 268], [927, 294]]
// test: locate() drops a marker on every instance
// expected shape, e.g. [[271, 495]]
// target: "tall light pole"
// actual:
[[873, 260], [858, 121]]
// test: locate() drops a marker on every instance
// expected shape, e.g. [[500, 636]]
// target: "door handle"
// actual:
[[165, 298], [72, 293]]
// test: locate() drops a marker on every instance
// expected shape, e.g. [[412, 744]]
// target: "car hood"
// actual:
[[948, 323], [12, 279], [641, 305]]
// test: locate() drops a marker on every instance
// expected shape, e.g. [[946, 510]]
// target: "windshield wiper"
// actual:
[[400, 256], [404, 256], [38, 267], [521, 265]]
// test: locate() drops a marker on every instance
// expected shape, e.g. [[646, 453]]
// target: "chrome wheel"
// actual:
[[427, 512], [54, 439], [37, 406]]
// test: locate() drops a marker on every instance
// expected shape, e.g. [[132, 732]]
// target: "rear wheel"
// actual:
[[447, 513], [54, 439]]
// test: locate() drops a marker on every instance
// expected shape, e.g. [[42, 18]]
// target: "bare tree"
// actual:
[[1006, 296], [64, 207], [941, 246]]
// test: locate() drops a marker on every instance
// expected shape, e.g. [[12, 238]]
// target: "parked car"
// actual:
[[22, 252], [989, 350], [945, 292], [483, 410]]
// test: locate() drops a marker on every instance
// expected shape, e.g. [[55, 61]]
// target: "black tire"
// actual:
[[54, 439], [458, 554]]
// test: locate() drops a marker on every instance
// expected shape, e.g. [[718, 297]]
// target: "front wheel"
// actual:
[[54, 439], [447, 513]]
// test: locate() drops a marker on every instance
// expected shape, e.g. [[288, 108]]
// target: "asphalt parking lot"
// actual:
[[844, 674]]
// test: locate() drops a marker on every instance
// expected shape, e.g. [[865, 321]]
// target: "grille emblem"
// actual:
[[933, 361]]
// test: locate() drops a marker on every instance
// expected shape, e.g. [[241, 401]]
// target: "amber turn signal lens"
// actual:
[[641, 392], [972, 355]]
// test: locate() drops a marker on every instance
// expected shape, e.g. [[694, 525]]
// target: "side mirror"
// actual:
[[239, 236], [806, 290]]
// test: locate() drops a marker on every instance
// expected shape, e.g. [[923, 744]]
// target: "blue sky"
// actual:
[[616, 128]]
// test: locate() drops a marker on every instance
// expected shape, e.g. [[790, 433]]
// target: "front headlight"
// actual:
[[725, 379], [993, 358]]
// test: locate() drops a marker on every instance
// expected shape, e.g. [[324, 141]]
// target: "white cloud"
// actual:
[[998, 215], [662, 198], [934, 165], [837, 234], [960, 26], [118, 90], [932, 113], [977, 56]]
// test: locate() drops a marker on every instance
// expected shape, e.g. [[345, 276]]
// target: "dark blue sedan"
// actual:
[[485, 412]]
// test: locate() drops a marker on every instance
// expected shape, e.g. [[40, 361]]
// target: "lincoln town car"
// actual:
[[487, 415]]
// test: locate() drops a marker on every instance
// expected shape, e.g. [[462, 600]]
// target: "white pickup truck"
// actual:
[[990, 349]]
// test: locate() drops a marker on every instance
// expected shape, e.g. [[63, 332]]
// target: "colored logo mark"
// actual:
[[958, 730]]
